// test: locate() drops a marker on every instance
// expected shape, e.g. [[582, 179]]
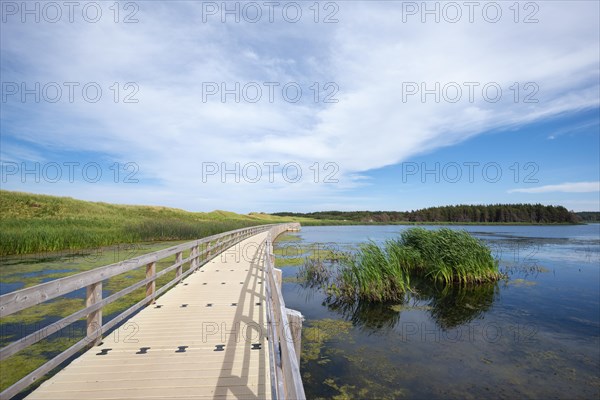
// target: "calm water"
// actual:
[[534, 335]]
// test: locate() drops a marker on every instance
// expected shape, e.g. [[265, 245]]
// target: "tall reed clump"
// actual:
[[382, 273], [374, 274], [450, 256]]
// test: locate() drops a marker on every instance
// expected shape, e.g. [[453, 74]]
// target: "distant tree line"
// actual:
[[495, 213], [589, 216]]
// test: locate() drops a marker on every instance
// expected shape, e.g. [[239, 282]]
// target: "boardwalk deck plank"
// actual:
[[180, 339]]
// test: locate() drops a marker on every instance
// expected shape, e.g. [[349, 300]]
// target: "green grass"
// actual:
[[374, 274], [383, 273], [32, 223]]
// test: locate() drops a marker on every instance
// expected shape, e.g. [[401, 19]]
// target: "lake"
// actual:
[[535, 334]]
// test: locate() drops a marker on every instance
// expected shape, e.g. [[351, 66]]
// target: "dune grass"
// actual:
[[383, 273], [31, 223]]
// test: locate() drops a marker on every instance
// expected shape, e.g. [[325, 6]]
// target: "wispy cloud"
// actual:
[[368, 54], [567, 187], [586, 126]]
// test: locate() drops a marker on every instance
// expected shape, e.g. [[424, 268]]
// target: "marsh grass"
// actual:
[[383, 273], [448, 256], [31, 223], [374, 273]]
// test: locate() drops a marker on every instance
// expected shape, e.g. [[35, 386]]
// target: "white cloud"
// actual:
[[567, 187], [369, 54]]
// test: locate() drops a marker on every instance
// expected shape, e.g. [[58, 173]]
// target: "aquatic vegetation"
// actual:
[[374, 273], [383, 273], [289, 262], [60, 307], [287, 237], [314, 272], [291, 279], [370, 375], [522, 282], [447, 255], [291, 254], [29, 359], [317, 333]]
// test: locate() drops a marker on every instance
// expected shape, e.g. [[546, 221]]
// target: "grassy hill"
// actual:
[[32, 223]]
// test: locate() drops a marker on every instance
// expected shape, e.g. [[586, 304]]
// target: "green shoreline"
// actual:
[[410, 223], [35, 223]]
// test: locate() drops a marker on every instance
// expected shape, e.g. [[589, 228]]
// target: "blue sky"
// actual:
[[377, 105]]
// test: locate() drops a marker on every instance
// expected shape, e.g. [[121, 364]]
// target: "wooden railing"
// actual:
[[201, 251], [284, 330]]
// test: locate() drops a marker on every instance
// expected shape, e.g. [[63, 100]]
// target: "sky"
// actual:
[[302, 106]]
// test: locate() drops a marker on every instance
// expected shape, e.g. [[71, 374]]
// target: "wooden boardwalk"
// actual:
[[205, 338]]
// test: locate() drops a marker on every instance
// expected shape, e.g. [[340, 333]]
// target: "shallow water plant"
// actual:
[[382, 273], [374, 273], [448, 255], [313, 272]]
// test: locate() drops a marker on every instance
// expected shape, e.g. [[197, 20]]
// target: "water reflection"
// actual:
[[366, 315], [449, 306], [455, 305]]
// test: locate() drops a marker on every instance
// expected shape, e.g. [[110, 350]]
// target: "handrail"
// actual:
[[286, 379], [25, 298], [13, 302]]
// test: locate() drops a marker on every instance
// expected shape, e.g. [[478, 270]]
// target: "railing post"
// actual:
[[150, 286], [194, 258], [295, 319], [94, 319], [178, 259], [277, 273]]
